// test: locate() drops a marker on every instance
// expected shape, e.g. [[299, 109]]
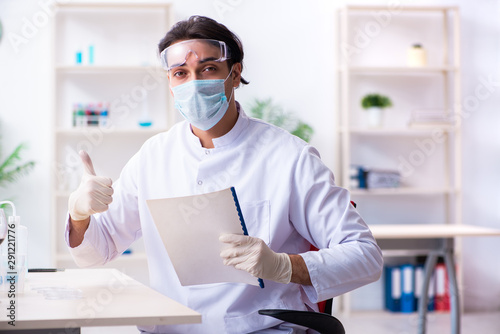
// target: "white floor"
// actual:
[[375, 323], [437, 323]]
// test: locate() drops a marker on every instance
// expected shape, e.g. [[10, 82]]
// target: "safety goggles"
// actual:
[[203, 49]]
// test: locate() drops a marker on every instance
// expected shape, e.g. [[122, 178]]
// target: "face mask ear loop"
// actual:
[[229, 74], [231, 96], [232, 90]]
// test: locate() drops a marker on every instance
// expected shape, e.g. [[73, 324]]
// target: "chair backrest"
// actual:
[[321, 322]]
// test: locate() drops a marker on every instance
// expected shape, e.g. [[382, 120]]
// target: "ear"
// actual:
[[236, 75]]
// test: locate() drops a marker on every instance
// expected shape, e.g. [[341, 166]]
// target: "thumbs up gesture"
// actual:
[[92, 196]]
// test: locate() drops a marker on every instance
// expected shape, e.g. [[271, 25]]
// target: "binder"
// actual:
[[393, 288], [431, 294], [419, 279], [407, 288], [442, 298]]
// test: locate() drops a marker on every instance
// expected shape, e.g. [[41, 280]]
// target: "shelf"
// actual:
[[374, 41], [125, 74], [401, 8], [405, 253], [79, 5], [397, 70], [109, 132], [99, 69], [404, 132], [401, 191]]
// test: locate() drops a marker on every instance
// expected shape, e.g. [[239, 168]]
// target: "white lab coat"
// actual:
[[288, 199]]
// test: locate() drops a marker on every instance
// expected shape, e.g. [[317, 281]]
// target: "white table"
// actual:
[[433, 241], [78, 298]]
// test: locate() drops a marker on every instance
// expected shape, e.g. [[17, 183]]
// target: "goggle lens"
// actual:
[[203, 49]]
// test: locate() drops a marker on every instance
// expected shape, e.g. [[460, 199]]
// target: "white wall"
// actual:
[[290, 55], [481, 158], [25, 117]]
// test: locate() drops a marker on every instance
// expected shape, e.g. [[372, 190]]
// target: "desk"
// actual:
[[77, 298], [433, 241]]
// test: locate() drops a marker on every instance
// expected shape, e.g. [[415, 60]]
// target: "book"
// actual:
[[382, 178], [373, 178]]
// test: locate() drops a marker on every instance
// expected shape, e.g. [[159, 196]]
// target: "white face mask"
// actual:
[[203, 103]]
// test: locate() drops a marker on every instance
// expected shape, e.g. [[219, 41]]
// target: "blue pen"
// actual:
[[243, 225]]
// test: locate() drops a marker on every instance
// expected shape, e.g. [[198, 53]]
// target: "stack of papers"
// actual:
[[436, 117]]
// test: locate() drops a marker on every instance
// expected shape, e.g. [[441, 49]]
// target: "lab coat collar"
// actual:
[[235, 132], [229, 137]]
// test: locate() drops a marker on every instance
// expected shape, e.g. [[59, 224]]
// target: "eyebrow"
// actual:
[[208, 59]]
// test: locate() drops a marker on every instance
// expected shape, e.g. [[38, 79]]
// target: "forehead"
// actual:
[[202, 48]]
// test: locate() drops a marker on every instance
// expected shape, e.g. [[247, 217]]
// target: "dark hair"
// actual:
[[201, 27]]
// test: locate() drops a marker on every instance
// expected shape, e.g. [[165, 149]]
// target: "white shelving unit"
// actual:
[[125, 73], [373, 59]]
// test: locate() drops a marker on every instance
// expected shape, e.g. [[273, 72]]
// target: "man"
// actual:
[[287, 195]]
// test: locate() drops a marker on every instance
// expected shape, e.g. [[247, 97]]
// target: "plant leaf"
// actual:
[[14, 174], [13, 157], [303, 131], [10, 171], [274, 114]]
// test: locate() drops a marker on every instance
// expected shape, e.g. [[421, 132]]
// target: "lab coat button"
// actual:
[[200, 182]]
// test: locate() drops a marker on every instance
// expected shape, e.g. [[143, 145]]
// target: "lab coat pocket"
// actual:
[[257, 215]]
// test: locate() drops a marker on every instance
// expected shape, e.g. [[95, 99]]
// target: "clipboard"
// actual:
[[190, 227]]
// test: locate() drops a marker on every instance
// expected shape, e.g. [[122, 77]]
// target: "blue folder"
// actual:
[[392, 288], [407, 288]]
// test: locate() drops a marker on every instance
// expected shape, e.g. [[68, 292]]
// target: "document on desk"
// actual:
[[190, 228]]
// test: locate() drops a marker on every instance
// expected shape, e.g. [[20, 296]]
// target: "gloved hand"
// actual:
[[93, 195], [252, 255]]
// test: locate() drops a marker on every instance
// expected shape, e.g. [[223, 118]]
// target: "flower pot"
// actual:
[[417, 57], [375, 116]]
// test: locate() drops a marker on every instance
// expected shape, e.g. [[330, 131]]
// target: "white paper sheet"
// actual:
[[190, 228]]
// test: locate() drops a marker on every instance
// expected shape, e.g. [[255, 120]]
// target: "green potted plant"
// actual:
[[274, 114], [375, 104]]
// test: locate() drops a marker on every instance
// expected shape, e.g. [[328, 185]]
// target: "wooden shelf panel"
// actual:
[[100, 69], [105, 132], [402, 8], [410, 131], [100, 5], [397, 70], [402, 191]]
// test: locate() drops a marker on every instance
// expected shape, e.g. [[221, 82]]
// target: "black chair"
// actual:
[[321, 322]]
